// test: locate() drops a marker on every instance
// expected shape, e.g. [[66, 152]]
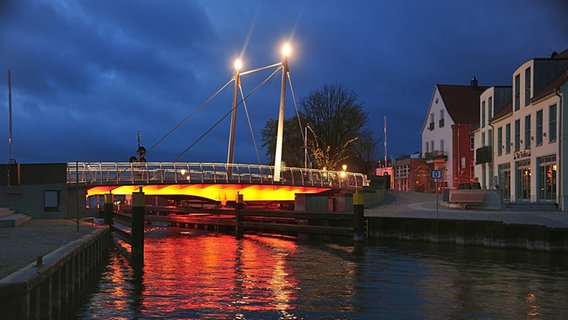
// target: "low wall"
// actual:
[[51, 287], [469, 232]]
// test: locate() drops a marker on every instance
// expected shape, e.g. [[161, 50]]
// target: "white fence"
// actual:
[[121, 173]]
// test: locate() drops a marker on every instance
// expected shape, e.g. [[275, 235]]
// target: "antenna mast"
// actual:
[[10, 140]]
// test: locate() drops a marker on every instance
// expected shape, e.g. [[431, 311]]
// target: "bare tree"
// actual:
[[335, 119], [292, 144], [335, 122]]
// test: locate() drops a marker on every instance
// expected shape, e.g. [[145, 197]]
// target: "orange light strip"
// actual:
[[218, 192]]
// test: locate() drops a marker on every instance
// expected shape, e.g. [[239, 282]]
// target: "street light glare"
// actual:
[[286, 49], [238, 64]]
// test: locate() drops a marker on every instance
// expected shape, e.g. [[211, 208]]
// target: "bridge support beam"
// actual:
[[358, 217], [137, 244]]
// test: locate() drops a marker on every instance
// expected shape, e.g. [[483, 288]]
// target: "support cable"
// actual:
[[228, 113], [250, 125], [190, 115], [297, 111]]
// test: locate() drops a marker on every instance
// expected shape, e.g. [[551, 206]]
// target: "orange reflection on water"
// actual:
[[213, 272]]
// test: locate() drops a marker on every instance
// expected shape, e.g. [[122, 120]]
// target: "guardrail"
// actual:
[[135, 173]]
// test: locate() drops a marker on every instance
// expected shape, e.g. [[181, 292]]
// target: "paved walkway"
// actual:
[[21, 246], [423, 205]]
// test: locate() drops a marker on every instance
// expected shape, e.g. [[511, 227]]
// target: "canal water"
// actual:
[[192, 274]]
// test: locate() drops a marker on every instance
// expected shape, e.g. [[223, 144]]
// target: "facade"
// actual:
[[492, 102], [447, 139], [413, 174], [521, 150]]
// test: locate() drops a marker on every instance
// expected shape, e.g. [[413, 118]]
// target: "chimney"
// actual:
[[474, 82]]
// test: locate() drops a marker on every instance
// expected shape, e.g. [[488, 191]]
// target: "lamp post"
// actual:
[[279, 135], [237, 78]]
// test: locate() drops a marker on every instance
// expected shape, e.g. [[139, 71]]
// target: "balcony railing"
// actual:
[[136, 173]]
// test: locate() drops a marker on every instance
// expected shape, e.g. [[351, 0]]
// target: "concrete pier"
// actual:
[[414, 216], [49, 287]]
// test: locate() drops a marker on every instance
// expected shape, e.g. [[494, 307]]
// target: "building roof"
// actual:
[[561, 55], [506, 110], [552, 86], [462, 102]]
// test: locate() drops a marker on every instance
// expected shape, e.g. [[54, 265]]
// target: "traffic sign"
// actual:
[[436, 174]]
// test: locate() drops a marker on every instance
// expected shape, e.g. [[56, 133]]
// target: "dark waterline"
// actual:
[[216, 276]]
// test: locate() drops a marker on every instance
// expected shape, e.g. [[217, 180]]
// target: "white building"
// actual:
[[446, 132], [529, 135]]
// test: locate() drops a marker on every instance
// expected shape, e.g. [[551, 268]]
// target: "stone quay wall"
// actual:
[[51, 287]]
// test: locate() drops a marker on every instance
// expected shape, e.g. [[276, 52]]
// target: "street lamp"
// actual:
[[237, 78], [286, 49]]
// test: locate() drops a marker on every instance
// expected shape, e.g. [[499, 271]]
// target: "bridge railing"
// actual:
[[135, 173]]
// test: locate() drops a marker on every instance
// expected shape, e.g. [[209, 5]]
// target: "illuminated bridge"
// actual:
[[215, 181]]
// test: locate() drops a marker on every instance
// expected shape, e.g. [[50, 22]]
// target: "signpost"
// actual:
[[436, 175]]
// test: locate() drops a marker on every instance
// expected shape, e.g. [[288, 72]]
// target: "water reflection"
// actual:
[[204, 275]]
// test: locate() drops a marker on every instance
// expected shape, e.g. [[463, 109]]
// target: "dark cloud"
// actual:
[[88, 75]]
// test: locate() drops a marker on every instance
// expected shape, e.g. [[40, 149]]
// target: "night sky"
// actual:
[[88, 75]]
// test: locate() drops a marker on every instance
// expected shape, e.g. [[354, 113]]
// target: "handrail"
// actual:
[[134, 173]]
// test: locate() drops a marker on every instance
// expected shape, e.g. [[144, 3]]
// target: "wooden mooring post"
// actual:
[[137, 253], [238, 217], [358, 217], [108, 208]]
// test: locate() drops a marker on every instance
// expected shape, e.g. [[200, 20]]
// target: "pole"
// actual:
[[10, 115], [138, 228], [238, 217], [108, 209], [436, 198], [306, 147], [358, 217], [385, 142], [280, 132], [77, 191], [231, 151]]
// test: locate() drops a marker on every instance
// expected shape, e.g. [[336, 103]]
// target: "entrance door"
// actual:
[[524, 186]]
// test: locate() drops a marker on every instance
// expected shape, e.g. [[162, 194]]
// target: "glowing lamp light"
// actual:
[[286, 49], [238, 64]]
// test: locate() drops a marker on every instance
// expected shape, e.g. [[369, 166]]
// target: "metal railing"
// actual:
[[136, 173]]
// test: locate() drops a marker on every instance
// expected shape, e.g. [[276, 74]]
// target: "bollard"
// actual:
[[358, 217], [238, 217], [108, 209], [138, 227]]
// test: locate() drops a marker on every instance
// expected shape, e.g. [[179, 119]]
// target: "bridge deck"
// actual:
[[148, 173]]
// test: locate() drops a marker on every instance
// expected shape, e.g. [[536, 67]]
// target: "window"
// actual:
[[490, 137], [527, 132], [441, 124], [489, 109], [517, 92], [431, 127], [483, 114], [432, 146], [552, 123], [499, 141], [539, 128], [442, 146], [483, 139], [517, 135], [527, 86], [51, 200], [426, 150], [508, 138]]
